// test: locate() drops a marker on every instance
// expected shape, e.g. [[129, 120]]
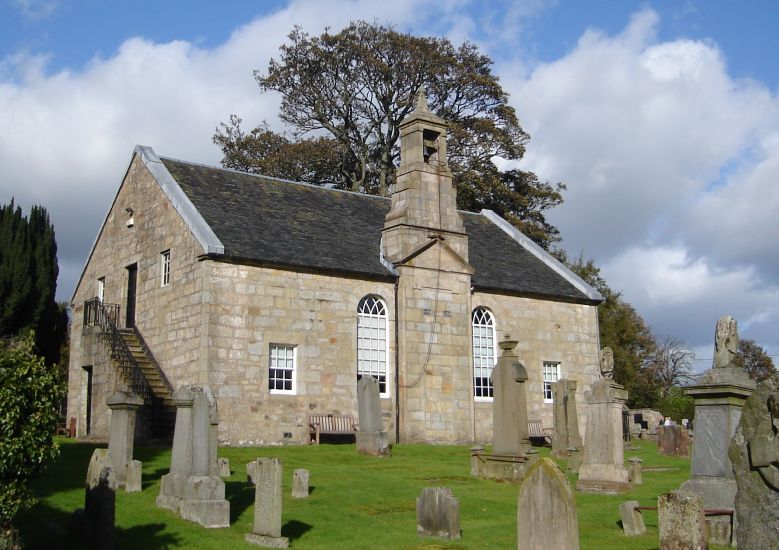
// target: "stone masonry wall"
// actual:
[[169, 318], [547, 331], [254, 307]]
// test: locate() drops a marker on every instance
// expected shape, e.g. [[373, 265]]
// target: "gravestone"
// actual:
[[371, 437], [193, 488], [603, 470], [124, 406], [681, 522], [134, 480], [634, 473], [438, 513], [546, 511], [266, 475], [632, 519], [754, 453], [719, 395], [673, 441], [300, 483], [94, 524], [566, 420], [511, 451], [224, 467]]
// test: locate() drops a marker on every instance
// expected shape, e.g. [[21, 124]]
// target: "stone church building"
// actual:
[[279, 295]]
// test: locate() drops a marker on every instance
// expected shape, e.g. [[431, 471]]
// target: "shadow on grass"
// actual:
[[46, 527], [294, 529], [241, 496]]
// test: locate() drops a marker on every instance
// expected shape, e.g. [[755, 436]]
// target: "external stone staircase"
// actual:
[[160, 413]]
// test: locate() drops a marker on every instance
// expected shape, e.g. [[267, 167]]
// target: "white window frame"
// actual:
[[483, 334], [289, 355], [549, 370], [373, 341], [101, 289], [165, 268]]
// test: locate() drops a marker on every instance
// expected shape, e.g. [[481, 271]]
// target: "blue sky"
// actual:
[[662, 118]]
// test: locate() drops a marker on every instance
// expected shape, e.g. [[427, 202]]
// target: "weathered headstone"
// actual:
[[546, 510], [509, 403], [632, 519], [95, 522], [438, 513], [634, 474], [134, 480], [193, 488], [266, 531], [124, 406], [681, 522], [754, 453], [300, 483], [224, 467], [511, 452], [719, 395], [673, 441], [603, 470], [371, 437], [566, 419], [607, 363]]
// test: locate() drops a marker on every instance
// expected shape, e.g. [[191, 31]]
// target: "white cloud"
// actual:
[[36, 9]]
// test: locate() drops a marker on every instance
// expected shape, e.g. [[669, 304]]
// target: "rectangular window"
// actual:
[[551, 374], [101, 289], [281, 375], [165, 268]]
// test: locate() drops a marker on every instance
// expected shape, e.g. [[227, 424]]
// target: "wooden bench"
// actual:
[[330, 424], [536, 431]]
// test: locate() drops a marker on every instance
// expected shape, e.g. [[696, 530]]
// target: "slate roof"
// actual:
[[276, 222]]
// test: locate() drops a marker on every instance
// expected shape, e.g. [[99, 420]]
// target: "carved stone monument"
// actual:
[[546, 510], [566, 420], [607, 363], [754, 453], [603, 464], [193, 488], [371, 437], [510, 442], [438, 513], [719, 396], [266, 475], [124, 406]]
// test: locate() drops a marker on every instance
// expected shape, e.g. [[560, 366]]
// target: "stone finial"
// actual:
[[725, 342], [421, 106], [607, 363], [508, 344]]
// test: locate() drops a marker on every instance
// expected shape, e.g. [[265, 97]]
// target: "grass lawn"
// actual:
[[355, 501]]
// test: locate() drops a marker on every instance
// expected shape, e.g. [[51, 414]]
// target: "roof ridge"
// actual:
[[274, 178]]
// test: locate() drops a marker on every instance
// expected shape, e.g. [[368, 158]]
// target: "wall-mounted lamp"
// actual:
[[130, 220]]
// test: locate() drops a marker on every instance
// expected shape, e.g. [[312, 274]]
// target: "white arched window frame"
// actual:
[[372, 342], [484, 352]]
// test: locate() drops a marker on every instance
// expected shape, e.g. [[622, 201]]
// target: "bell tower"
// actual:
[[425, 240], [424, 204]]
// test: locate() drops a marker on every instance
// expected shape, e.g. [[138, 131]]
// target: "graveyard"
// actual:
[[355, 500]]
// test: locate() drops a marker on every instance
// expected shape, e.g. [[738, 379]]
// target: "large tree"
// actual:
[[671, 364], [344, 96], [28, 279], [753, 359]]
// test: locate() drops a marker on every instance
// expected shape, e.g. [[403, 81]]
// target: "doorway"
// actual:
[[87, 399], [132, 280]]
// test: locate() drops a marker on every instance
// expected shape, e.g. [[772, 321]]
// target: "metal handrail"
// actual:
[[99, 314]]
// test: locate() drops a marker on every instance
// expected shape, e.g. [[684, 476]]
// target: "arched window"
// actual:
[[483, 352], [372, 341]]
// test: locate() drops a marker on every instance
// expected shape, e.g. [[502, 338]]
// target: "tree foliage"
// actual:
[[352, 89], [752, 358], [29, 392], [28, 279]]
